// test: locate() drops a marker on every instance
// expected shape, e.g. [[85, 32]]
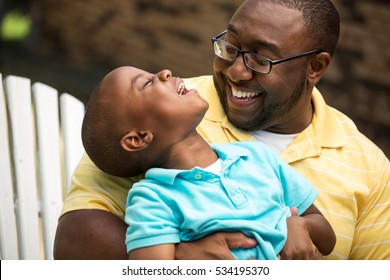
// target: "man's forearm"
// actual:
[[90, 234]]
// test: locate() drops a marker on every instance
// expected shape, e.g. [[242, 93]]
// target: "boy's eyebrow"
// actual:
[[134, 80]]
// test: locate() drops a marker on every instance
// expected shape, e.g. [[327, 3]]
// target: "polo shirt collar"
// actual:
[[324, 131], [217, 114], [325, 121], [226, 153]]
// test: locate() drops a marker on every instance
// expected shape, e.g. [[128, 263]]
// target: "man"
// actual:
[[192, 188], [266, 67]]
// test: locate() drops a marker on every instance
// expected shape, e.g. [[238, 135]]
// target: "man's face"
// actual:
[[279, 101]]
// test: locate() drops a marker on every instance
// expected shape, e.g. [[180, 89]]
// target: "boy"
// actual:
[[137, 122]]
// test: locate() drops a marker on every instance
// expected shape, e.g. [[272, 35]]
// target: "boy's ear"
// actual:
[[136, 140], [318, 66]]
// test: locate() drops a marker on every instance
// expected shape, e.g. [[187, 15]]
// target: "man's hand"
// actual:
[[214, 247]]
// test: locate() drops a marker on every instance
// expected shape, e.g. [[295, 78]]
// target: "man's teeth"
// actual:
[[244, 94]]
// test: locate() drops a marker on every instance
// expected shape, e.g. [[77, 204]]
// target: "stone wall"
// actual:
[[358, 80], [95, 36], [151, 34]]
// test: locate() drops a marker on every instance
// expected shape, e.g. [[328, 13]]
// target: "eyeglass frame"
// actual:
[[271, 62]]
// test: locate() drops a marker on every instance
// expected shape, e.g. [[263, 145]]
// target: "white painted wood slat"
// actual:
[[40, 145], [72, 114], [8, 237], [18, 92], [49, 160]]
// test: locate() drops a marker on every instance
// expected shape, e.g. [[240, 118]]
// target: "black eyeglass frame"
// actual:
[[271, 62]]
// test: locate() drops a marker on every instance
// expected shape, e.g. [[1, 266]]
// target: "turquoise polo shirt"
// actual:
[[253, 194]]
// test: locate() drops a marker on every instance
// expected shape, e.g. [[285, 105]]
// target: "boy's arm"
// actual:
[[157, 252], [307, 234], [320, 230], [215, 246]]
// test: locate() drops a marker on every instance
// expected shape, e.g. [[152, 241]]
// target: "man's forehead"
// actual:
[[271, 22]]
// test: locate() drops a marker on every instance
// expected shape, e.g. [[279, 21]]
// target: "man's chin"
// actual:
[[241, 123]]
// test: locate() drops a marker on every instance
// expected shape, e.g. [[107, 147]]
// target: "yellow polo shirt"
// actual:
[[350, 173]]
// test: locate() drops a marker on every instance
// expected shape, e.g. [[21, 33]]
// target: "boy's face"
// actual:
[[156, 102]]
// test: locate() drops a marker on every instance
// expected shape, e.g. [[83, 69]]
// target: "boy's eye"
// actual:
[[147, 83]]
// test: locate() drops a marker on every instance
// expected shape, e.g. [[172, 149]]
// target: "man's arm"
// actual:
[[98, 234], [90, 234], [372, 234]]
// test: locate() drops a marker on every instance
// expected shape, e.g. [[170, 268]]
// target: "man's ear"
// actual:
[[317, 67], [136, 140]]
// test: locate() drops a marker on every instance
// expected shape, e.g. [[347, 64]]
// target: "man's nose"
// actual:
[[238, 71]]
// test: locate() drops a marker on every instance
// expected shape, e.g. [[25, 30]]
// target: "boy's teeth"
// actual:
[[181, 88], [243, 94]]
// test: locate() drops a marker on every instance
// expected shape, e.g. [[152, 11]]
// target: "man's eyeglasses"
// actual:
[[253, 61]]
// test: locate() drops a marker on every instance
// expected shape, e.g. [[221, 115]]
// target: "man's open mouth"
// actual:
[[248, 95]]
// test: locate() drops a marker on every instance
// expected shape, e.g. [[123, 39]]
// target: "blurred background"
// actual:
[[71, 45]]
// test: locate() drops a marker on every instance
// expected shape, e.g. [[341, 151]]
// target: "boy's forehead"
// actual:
[[123, 73], [118, 80]]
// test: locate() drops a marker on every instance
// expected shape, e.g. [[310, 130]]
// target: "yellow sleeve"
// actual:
[[372, 233], [91, 188]]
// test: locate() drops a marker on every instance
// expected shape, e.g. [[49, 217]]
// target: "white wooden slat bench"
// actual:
[[40, 145]]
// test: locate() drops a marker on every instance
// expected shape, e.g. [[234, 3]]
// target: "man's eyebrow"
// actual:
[[259, 43]]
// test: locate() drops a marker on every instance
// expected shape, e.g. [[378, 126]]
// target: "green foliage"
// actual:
[[15, 26]]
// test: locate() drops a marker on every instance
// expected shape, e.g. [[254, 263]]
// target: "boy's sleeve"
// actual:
[[298, 191], [151, 221]]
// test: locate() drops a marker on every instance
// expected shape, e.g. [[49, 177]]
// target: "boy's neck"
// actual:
[[189, 153]]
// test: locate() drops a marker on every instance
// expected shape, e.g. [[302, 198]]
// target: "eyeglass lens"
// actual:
[[228, 52]]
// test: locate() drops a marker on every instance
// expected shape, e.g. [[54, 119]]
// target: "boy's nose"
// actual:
[[164, 75]]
